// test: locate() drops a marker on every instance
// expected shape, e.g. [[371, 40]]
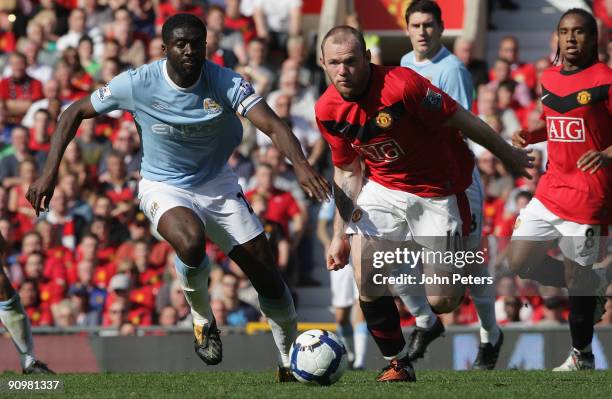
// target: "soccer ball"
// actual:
[[318, 358]]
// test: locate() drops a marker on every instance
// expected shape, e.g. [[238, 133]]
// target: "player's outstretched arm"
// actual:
[[268, 122], [43, 187], [347, 185], [517, 160]]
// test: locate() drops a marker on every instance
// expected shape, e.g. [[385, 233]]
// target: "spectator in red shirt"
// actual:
[[50, 292], [19, 90], [228, 39], [70, 227], [117, 313], [222, 57], [18, 204], [28, 294], [522, 72], [168, 9], [79, 78], [68, 91], [40, 133], [235, 21], [282, 207], [115, 183]]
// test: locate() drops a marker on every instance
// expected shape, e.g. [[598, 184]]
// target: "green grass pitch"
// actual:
[[250, 384]]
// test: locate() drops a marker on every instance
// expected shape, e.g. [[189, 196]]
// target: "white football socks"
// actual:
[[282, 319], [361, 335], [16, 321], [483, 296], [345, 333], [194, 281]]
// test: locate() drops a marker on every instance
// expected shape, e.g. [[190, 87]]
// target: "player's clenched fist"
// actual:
[[338, 253], [519, 138], [42, 188]]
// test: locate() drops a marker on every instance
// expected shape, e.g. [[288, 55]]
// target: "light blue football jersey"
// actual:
[[187, 134], [446, 72]]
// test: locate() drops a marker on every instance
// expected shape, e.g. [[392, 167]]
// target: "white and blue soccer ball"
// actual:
[[318, 358]]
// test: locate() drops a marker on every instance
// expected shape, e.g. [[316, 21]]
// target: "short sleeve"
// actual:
[[457, 83], [342, 151], [427, 103], [116, 94], [237, 92]]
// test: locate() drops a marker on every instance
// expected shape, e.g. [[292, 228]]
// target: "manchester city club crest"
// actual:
[[211, 106], [584, 97], [384, 120]]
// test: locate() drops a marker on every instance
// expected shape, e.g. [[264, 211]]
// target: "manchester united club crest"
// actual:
[[584, 97], [357, 214], [384, 120]]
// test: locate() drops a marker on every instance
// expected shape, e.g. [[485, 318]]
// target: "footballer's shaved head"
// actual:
[[341, 34], [346, 60]]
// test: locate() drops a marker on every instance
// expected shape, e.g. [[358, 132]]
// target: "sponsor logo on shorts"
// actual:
[[104, 92], [384, 120], [357, 214], [584, 97], [567, 130], [153, 209], [432, 101], [211, 106]]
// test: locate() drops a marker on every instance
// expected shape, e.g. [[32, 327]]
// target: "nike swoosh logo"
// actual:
[[544, 96]]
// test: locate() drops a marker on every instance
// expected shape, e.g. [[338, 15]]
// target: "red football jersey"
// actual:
[[396, 126], [577, 110]]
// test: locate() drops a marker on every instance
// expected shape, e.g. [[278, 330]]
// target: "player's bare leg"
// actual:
[[529, 260], [256, 261], [16, 322], [184, 230], [382, 319]]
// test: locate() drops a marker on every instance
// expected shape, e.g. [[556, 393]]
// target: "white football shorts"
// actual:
[[343, 287], [578, 242], [220, 204]]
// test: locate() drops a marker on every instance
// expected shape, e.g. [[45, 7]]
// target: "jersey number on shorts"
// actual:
[[590, 241], [453, 241]]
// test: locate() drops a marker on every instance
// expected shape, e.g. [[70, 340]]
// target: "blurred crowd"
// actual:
[[93, 260]]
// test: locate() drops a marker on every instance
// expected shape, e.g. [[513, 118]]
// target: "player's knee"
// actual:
[[518, 264], [444, 304], [190, 247]]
